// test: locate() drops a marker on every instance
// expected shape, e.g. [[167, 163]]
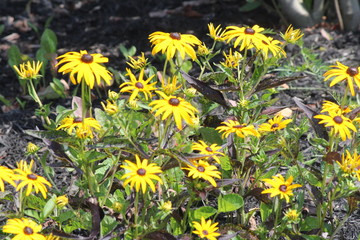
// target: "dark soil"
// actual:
[[101, 26]]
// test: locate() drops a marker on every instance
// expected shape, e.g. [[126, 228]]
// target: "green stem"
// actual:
[[136, 214]]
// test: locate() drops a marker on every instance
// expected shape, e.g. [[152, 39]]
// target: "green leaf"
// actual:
[[265, 211], [51, 134], [64, 216], [225, 163], [210, 135], [14, 56], [49, 207], [2, 27], [230, 202], [48, 41], [205, 212], [310, 223], [250, 6], [311, 178], [270, 173]]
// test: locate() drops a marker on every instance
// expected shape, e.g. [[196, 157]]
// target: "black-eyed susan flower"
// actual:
[[32, 148], [176, 106], [205, 149], [61, 201], [206, 229], [203, 50], [28, 70], [170, 86], [29, 179], [138, 62], [292, 216], [216, 33], [329, 106], [113, 96], [350, 164], [274, 124], [6, 175], [292, 35], [141, 174], [110, 107], [246, 37], [280, 186], [170, 43], [83, 128], [340, 125], [273, 46], [136, 86], [87, 67], [52, 237], [341, 72], [203, 169], [232, 60], [241, 130], [23, 229]]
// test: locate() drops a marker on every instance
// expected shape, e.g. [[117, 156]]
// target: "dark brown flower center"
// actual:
[[239, 126], [208, 149], [338, 119], [264, 42], [275, 125], [205, 232], [28, 231], [352, 71], [175, 35], [283, 188], [32, 176], [87, 58], [78, 120], [201, 169], [139, 85], [174, 102], [141, 172], [249, 31]]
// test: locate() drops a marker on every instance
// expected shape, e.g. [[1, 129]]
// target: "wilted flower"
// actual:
[[29, 70], [110, 107], [292, 215], [232, 60], [292, 35], [61, 201], [216, 33], [138, 62]]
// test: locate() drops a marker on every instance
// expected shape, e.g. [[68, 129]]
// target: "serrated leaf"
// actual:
[[230, 202]]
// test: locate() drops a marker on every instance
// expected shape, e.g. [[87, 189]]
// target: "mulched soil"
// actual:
[[101, 26]]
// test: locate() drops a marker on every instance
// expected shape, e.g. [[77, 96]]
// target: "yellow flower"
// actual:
[[249, 37], [232, 60], [205, 149], [6, 175], [175, 106], [61, 201], [350, 164], [138, 85], [52, 237], [83, 129], [328, 106], [32, 148], [204, 170], [241, 130], [113, 95], [216, 33], [272, 45], [274, 124], [280, 187], [173, 42], [170, 86], [110, 108], [165, 206], [138, 62], [205, 229], [27, 178], [292, 215], [340, 124], [203, 50], [86, 66], [342, 72], [24, 229], [292, 35], [141, 174], [29, 70]]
